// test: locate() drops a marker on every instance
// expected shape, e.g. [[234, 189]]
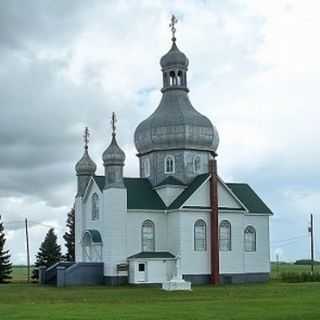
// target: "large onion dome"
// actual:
[[113, 155], [85, 166]]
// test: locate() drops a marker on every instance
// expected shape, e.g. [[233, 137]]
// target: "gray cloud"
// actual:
[[67, 64]]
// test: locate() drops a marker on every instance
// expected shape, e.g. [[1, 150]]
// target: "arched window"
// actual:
[[180, 78], [249, 239], [146, 167], [95, 207], [169, 165], [200, 236], [197, 164], [225, 236], [147, 234], [173, 79]]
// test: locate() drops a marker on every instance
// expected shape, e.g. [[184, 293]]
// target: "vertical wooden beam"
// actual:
[[214, 223]]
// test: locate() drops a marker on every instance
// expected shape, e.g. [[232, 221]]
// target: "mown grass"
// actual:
[[273, 300]]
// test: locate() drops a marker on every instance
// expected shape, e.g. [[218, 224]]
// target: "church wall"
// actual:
[[193, 262], [134, 227], [174, 231], [78, 228], [88, 223], [114, 226], [258, 261], [233, 261]]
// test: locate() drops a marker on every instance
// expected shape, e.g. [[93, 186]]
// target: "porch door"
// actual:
[[141, 272]]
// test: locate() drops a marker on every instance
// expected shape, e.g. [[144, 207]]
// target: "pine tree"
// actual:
[[5, 265], [69, 236], [49, 253]]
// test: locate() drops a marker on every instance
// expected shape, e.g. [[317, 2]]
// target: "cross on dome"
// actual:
[[86, 136], [113, 123], [174, 21]]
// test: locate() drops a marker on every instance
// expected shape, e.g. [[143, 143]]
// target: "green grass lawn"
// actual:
[[273, 300]]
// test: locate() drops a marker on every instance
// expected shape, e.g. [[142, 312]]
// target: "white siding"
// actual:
[[134, 224]]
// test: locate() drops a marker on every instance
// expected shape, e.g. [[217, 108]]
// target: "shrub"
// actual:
[[300, 276]]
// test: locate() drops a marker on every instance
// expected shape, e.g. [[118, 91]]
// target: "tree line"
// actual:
[[49, 252]]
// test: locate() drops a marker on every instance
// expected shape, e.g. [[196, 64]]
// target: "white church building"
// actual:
[[178, 207]]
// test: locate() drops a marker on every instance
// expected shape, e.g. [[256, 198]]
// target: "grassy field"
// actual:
[[273, 300]]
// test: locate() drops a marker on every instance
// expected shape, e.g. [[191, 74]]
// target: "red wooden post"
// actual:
[[214, 228]]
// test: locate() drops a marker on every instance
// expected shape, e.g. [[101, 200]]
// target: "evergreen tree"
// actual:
[[69, 236], [5, 265], [49, 253]]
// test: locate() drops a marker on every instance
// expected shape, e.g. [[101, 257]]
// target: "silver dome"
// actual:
[[113, 155], [176, 125], [174, 57], [86, 166]]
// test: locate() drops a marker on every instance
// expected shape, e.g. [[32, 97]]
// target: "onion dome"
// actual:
[[175, 124], [86, 166], [113, 155], [174, 57]]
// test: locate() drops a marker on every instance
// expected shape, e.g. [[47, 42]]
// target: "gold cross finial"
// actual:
[[174, 21], [113, 123], [86, 136]]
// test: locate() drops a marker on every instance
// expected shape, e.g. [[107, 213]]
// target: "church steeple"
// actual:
[[174, 64], [85, 167], [113, 160], [176, 140]]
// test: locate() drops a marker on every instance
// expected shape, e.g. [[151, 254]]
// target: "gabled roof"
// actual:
[[184, 196], [170, 181], [249, 198], [152, 254], [140, 194]]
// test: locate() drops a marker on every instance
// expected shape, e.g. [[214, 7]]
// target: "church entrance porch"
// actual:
[[151, 267], [91, 246]]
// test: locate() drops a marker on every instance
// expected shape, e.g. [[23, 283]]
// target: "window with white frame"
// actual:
[[225, 236], [200, 236], [169, 165], [197, 164], [146, 167], [95, 207], [249, 239], [147, 234]]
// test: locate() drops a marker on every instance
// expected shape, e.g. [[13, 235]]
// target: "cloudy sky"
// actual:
[[254, 71]]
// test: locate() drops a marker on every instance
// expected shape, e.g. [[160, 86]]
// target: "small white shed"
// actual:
[[151, 267]]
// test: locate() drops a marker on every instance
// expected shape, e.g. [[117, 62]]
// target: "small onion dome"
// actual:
[[86, 166], [113, 155], [174, 57]]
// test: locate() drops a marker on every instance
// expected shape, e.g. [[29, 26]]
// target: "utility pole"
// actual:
[[28, 252], [311, 242]]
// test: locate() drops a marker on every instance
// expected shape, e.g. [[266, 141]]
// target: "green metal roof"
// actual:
[[95, 235], [249, 198], [152, 254], [184, 196], [140, 194]]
